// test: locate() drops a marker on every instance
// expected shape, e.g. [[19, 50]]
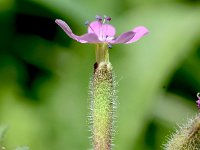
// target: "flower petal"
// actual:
[[108, 30], [66, 28], [88, 38], [94, 27], [123, 38], [140, 31], [101, 30]]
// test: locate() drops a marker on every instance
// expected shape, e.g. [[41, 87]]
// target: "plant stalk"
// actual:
[[103, 99]]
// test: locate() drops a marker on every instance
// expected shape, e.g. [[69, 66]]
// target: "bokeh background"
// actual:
[[44, 74]]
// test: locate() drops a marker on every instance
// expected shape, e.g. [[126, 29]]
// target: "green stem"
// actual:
[[102, 102], [102, 54]]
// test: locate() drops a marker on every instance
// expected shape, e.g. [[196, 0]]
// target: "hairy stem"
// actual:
[[103, 98], [187, 137]]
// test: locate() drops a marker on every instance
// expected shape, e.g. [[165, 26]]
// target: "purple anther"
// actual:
[[108, 18], [98, 18]]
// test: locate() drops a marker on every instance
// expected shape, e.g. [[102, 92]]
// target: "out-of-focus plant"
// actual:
[[2, 133], [3, 130], [187, 137]]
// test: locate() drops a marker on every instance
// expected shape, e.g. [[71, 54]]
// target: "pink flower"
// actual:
[[100, 31], [198, 101]]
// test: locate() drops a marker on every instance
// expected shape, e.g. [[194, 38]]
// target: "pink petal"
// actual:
[[94, 27], [88, 38], [123, 38], [108, 30], [66, 28], [101, 30], [140, 31]]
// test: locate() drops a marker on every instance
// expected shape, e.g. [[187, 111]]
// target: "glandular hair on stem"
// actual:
[[103, 106], [187, 137]]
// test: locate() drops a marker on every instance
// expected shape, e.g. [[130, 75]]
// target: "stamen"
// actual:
[[104, 19], [109, 46], [198, 96], [87, 23], [108, 18], [98, 18]]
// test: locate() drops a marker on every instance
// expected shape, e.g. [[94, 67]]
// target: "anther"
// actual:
[[98, 18], [108, 18], [109, 46], [198, 96], [87, 23]]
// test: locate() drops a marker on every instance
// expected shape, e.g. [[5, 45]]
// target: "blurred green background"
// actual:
[[44, 74]]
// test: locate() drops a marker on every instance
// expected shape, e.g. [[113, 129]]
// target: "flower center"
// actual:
[[102, 29]]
